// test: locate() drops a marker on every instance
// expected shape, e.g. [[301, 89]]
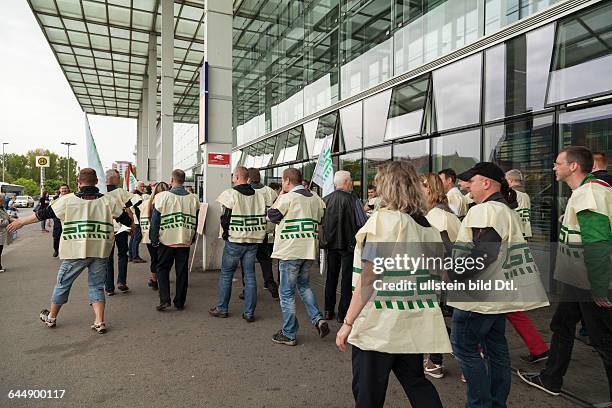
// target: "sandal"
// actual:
[[100, 328], [50, 322]]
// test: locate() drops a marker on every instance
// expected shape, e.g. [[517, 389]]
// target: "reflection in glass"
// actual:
[[456, 91], [366, 47], [373, 159], [326, 127], [350, 127], [582, 59], [416, 152], [375, 111], [352, 163], [527, 145], [267, 151], [500, 13], [516, 74], [279, 150], [406, 109], [590, 127], [459, 151]]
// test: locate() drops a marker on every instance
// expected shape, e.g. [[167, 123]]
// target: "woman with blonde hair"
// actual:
[[389, 329], [145, 217], [441, 217]]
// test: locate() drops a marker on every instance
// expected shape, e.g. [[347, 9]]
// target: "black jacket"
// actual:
[[603, 175], [339, 225]]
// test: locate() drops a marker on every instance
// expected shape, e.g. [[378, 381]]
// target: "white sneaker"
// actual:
[[433, 370]]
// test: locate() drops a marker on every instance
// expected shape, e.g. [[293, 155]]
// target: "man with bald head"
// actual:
[[243, 227]]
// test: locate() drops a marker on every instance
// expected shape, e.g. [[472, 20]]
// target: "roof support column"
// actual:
[[150, 114], [166, 144], [218, 53]]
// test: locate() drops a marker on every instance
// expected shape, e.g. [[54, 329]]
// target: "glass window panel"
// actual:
[[516, 74], [279, 150], [268, 151], [407, 11], [459, 151], [325, 128], [351, 126], [407, 108], [373, 159], [375, 111], [527, 145], [500, 13], [352, 163], [417, 152], [456, 91], [366, 47], [582, 59], [293, 149], [590, 127]]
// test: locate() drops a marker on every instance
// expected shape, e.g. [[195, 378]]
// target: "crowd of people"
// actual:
[[480, 217]]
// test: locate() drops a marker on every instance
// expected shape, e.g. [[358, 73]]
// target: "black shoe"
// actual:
[[249, 319], [153, 284], [274, 292], [535, 380], [322, 328], [280, 338], [241, 295], [123, 287], [340, 318], [55, 254], [138, 260], [162, 306], [177, 307], [328, 315], [111, 293], [530, 358]]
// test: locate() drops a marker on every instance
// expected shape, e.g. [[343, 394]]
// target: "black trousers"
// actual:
[[339, 261], [180, 258], [598, 322], [121, 243], [371, 371], [57, 233], [153, 255]]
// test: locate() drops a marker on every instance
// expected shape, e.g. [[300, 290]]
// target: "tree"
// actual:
[[31, 187], [52, 185], [24, 166]]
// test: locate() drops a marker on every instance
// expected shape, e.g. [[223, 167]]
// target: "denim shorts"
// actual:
[[70, 269]]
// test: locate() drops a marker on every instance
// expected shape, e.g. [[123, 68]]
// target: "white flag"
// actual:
[[93, 159], [324, 170]]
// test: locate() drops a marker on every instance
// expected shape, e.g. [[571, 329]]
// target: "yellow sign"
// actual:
[[42, 161]]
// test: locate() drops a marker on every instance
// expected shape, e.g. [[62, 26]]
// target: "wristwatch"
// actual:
[[347, 323]]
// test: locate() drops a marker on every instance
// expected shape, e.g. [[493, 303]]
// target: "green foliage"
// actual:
[[23, 166], [52, 185], [31, 187]]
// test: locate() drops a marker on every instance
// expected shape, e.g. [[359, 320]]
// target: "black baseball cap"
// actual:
[[485, 169]]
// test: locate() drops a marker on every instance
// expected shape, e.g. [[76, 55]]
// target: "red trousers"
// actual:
[[530, 335]]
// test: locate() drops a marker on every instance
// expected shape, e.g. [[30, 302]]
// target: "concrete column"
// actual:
[[143, 146], [139, 138], [150, 110], [218, 54], [167, 90]]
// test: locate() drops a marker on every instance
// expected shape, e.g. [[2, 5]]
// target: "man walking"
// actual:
[[456, 201], [298, 213], [173, 226], [583, 266], [344, 216], [57, 224], [243, 227], [87, 241], [125, 200], [136, 238], [264, 250], [489, 235]]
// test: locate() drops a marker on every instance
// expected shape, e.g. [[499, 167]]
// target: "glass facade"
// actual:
[[293, 58], [515, 103]]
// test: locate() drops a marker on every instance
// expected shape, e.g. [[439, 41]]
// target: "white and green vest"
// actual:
[[524, 212], [271, 197], [297, 235], [457, 200], [570, 267], [145, 222], [444, 221], [87, 226], [514, 263], [248, 221], [122, 197], [177, 222], [398, 321]]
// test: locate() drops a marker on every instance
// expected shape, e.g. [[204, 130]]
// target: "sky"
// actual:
[[37, 106]]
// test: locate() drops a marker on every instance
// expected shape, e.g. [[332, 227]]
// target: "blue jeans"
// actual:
[[135, 243], [233, 254], [295, 273], [488, 380], [70, 269]]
